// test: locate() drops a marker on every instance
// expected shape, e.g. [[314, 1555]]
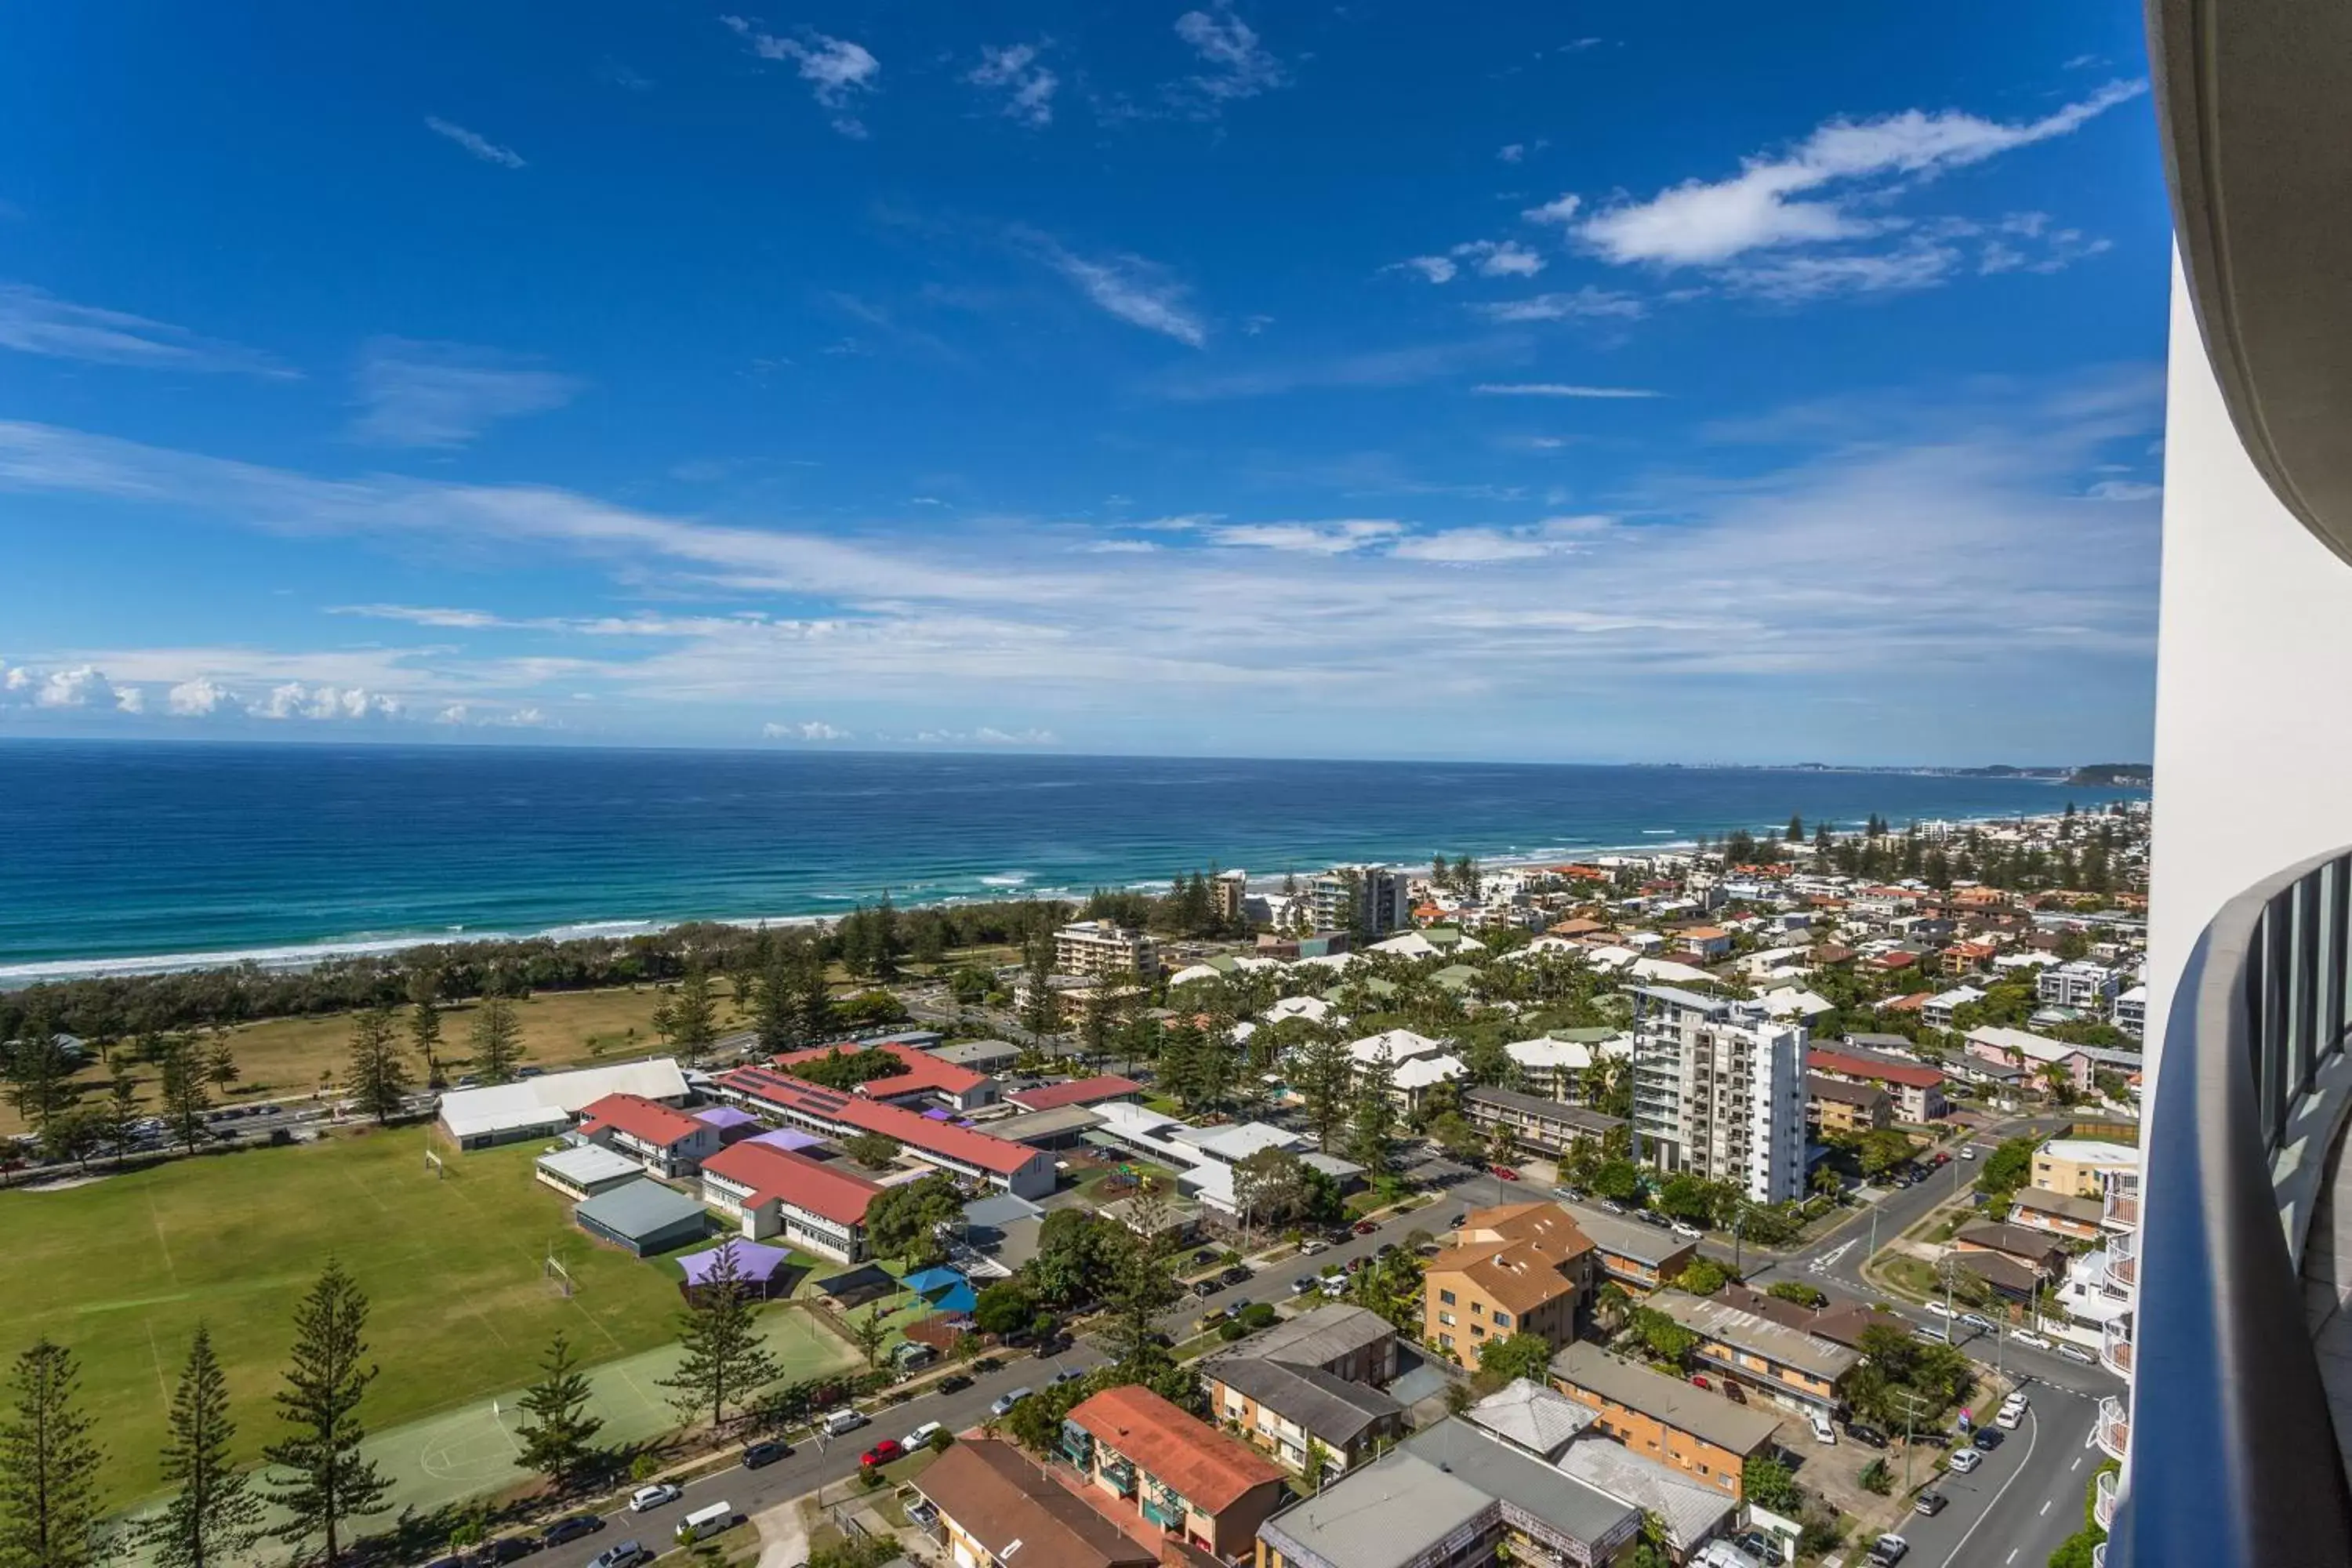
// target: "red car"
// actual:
[[1505, 1172], [1697, 1382], [1365, 1227], [882, 1453]]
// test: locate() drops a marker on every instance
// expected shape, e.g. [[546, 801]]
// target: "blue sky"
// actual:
[[1699, 383]]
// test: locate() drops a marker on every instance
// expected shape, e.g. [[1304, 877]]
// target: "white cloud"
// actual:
[[200, 698], [811, 729], [1916, 264], [1559, 210], [1312, 537], [456, 713], [2124, 490], [422, 615], [987, 736], [1708, 223], [73, 689], [324, 703], [34, 321], [1437, 269], [839, 73], [1027, 86], [1239, 65], [445, 394], [525, 719], [1511, 152], [473, 141], [1587, 304], [1558, 389], [1500, 259], [1137, 291], [131, 699]]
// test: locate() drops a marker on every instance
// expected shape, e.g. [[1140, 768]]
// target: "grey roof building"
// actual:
[[1326, 1337], [643, 1216], [1692, 1512], [1335, 1413], [1313, 1379], [1741, 1429], [1541, 1420], [1400, 1511], [1573, 1519], [980, 1056]]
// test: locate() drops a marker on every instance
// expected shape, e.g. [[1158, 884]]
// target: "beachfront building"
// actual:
[[1103, 950], [1719, 1091], [1359, 898]]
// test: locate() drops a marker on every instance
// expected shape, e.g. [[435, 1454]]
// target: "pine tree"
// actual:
[[693, 1014], [424, 1021], [187, 1092], [379, 1077], [1795, 834], [39, 1075], [812, 996], [775, 1006], [213, 1517], [1321, 1071], [556, 1426], [326, 1481], [49, 1512], [496, 1039], [1371, 1140], [725, 1361], [118, 1114]]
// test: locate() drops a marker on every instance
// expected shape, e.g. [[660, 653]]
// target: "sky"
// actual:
[[1538, 382]]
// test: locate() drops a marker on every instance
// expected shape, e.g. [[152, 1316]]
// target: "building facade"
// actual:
[[1359, 898], [1719, 1091], [1105, 951], [1182, 1475]]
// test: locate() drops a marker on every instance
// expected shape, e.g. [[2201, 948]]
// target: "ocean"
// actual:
[[145, 856]]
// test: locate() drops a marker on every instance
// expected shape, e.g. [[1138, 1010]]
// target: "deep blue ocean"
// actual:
[[112, 851]]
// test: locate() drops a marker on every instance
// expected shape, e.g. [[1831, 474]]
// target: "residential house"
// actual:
[[2083, 1167], [1312, 1381], [1000, 1508], [2131, 1011], [2060, 1213], [1709, 943], [1546, 1126], [2036, 1251], [1702, 1435], [1639, 1256], [1554, 1066], [1786, 1366], [667, 1141], [1938, 1010], [777, 1194], [1916, 1089], [2088, 987], [1196, 1483], [1833, 1105], [1517, 1269]]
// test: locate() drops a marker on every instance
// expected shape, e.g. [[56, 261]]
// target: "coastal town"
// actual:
[[1768, 1199]]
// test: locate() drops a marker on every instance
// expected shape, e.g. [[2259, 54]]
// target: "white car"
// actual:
[[1822, 1431], [1940, 1309], [1965, 1459], [2028, 1337], [921, 1437], [1686, 1231], [653, 1497]]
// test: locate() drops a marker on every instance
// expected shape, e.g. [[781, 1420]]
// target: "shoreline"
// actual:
[[301, 956]]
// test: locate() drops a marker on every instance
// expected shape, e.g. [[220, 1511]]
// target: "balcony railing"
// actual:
[[2238, 1465], [2105, 1492], [2113, 1432], [2123, 1262], [2115, 1347]]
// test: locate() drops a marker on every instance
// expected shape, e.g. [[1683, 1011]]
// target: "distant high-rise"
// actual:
[[1367, 900], [1719, 1091]]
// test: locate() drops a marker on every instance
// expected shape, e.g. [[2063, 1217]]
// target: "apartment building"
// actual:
[[998, 1507], [2083, 1167], [1783, 1364], [1719, 1091], [2088, 987], [1916, 1088], [1702, 1435], [1102, 949], [1183, 1476], [1517, 1269], [1939, 1011], [1359, 898], [1545, 1126], [1832, 1105], [1638, 1257], [1314, 1381]]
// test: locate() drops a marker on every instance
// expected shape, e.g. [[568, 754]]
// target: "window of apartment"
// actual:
[[1478, 1308], [1445, 1318], [1477, 1333], [1445, 1341], [1446, 1297]]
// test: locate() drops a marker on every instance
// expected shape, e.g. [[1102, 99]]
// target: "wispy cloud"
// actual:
[[839, 73], [1587, 304], [444, 394], [1237, 65], [1403, 366], [36, 322], [1487, 258], [1558, 389], [1024, 84], [1313, 538], [1138, 292], [1829, 190], [806, 730], [2124, 490], [474, 142]]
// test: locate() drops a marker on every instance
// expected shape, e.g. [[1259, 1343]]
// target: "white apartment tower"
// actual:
[[1719, 1091], [1103, 950], [1365, 900]]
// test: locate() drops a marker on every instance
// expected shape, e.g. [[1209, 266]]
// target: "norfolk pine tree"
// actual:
[[379, 1077], [326, 1481], [556, 1426], [49, 1466], [496, 1039], [725, 1358], [214, 1517], [424, 1021]]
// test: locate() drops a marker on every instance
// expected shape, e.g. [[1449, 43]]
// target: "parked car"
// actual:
[[1686, 1231], [1940, 1309], [756, 1455], [882, 1453], [1457, 1222], [1888, 1549], [2013, 1413], [922, 1436], [1987, 1439], [952, 1382], [1204, 1288], [1930, 1503], [1699, 1382], [1384, 1249], [1822, 1431], [1006, 1400], [1941, 1336], [628, 1554], [1365, 1227], [505, 1550], [844, 1419], [1305, 1283], [1965, 1459], [1355, 1265], [2073, 1352], [1049, 1348], [1236, 1275], [2028, 1337], [653, 1497], [571, 1528], [1868, 1436], [1067, 1374], [1504, 1173], [1206, 1256], [1611, 1206], [1313, 1245], [1978, 1320], [1335, 1285], [985, 1363]]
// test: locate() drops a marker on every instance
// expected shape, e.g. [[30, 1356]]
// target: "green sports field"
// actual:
[[120, 1270]]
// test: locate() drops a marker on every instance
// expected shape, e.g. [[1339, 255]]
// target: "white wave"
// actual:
[[1006, 879]]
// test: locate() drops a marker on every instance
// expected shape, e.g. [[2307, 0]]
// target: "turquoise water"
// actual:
[[110, 851]]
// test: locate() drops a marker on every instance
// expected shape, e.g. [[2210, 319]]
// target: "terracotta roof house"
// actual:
[[994, 1502], [1185, 1476], [1517, 1269], [1077, 1091]]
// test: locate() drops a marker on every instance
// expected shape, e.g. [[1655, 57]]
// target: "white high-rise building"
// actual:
[[1719, 1091], [1364, 899]]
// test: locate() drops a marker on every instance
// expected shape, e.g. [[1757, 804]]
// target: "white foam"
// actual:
[[1005, 879]]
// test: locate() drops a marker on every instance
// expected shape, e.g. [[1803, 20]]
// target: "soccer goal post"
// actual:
[[433, 1163], [556, 1274]]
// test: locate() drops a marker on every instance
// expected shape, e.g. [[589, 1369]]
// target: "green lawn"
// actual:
[[121, 1270]]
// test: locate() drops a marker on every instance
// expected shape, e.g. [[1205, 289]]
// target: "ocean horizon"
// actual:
[[131, 856]]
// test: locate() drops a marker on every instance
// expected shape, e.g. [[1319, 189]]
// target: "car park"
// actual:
[[571, 1528], [653, 1497], [882, 1453], [1888, 1549], [1965, 1460], [1930, 1503], [1006, 1400], [756, 1455]]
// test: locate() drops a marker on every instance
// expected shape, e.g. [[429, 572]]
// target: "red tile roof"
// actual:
[[1918, 1075], [1077, 1091], [850, 1112], [924, 1074], [1212, 1470], [779, 1174], [640, 1117]]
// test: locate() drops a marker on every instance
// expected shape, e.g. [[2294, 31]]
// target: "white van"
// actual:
[[1822, 1431], [844, 1419], [707, 1521]]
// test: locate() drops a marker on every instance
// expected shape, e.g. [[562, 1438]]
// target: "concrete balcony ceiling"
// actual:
[[2258, 144]]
